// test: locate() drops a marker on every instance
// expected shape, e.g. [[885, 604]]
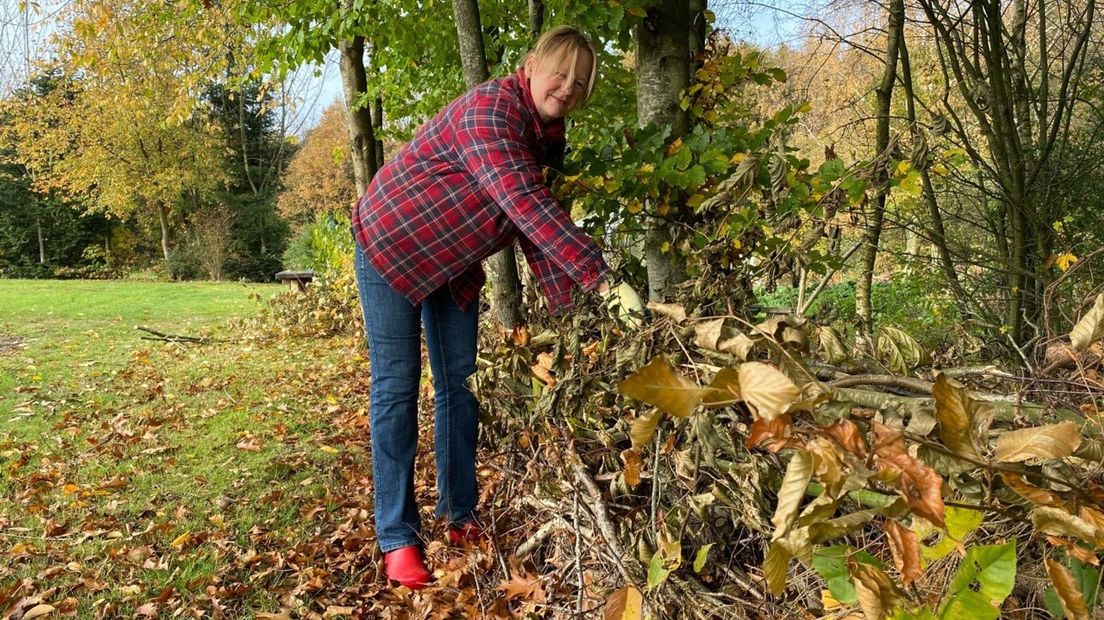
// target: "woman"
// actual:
[[469, 184]]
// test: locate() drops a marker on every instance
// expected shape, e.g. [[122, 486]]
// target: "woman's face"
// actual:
[[558, 87]]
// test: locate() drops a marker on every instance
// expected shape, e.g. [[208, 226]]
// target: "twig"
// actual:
[[530, 545], [175, 338], [578, 556], [599, 510]]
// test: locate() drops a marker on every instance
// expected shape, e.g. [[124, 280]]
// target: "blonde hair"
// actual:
[[564, 43]]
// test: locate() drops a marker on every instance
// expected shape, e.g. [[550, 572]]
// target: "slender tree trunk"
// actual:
[[163, 218], [502, 268], [536, 19], [662, 72], [41, 240], [873, 229], [354, 79]]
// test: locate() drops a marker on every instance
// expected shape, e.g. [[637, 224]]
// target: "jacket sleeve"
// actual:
[[493, 148]]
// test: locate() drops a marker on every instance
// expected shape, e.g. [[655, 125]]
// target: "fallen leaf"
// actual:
[[921, 486], [38, 611], [905, 548], [1053, 441], [624, 604], [523, 585], [775, 433], [633, 464], [660, 385], [1069, 594], [768, 390]]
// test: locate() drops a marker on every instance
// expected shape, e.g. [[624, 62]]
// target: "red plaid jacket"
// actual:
[[465, 187]]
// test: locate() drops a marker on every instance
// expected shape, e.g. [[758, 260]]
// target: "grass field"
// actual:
[[142, 476]]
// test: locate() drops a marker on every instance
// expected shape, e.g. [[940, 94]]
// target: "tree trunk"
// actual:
[[536, 19], [41, 240], [662, 72], [873, 229], [502, 268], [354, 79], [163, 218]]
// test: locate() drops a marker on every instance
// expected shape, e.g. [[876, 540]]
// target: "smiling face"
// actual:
[[560, 83]]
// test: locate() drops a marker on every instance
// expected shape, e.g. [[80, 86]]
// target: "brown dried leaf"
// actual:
[[724, 389], [1058, 521], [774, 433], [1091, 326], [543, 375], [796, 479], [766, 389], [38, 611], [660, 385], [523, 585], [877, 593], [1073, 601], [849, 436], [633, 464], [708, 333], [624, 604], [1030, 492], [644, 427], [957, 413], [905, 548], [1054, 441], [520, 335], [675, 312], [920, 485]]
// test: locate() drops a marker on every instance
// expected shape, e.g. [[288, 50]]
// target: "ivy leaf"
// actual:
[[768, 390], [1054, 441], [1069, 593], [959, 414], [1091, 326], [658, 384]]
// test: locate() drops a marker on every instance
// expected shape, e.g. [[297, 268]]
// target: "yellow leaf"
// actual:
[[633, 464], [658, 384], [38, 611], [181, 541], [624, 604], [644, 427], [1091, 326], [1053, 441], [903, 167], [767, 389], [1065, 260], [959, 414], [774, 568], [877, 593], [1073, 601], [724, 389], [794, 483]]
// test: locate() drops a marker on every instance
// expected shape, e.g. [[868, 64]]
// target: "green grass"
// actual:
[[102, 431]]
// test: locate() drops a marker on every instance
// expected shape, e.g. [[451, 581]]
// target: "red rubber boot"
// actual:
[[469, 532], [406, 566]]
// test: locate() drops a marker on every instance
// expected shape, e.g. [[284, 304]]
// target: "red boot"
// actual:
[[406, 566], [469, 532]]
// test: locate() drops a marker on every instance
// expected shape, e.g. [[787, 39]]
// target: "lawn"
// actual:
[[139, 473]]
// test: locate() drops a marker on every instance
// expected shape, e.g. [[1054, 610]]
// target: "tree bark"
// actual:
[[873, 228], [163, 218], [536, 19], [662, 72], [41, 240], [362, 139], [502, 268]]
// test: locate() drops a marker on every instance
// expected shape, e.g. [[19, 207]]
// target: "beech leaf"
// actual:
[[905, 548], [660, 385], [724, 389], [624, 604], [1069, 593], [775, 566], [1057, 521], [1091, 326], [633, 464], [876, 591], [957, 413], [1053, 441], [675, 312], [798, 473], [644, 428], [767, 389]]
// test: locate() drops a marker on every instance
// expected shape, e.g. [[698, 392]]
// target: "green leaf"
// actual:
[[968, 604], [991, 569], [960, 523], [656, 573], [701, 556], [658, 384], [831, 564]]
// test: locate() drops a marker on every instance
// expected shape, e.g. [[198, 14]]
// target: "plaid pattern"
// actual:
[[466, 186]]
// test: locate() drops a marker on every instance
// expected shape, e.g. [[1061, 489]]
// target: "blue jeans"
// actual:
[[393, 327]]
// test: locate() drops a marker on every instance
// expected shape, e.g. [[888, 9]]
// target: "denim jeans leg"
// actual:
[[393, 329], [451, 343]]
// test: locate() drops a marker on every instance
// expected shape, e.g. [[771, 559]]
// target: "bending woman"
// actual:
[[469, 184]]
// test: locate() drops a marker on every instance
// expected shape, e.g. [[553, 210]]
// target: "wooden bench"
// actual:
[[296, 280]]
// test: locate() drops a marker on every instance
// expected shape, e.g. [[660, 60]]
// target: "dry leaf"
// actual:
[[1030, 492], [877, 593], [633, 464], [921, 486], [724, 389], [905, 548], [39, 611], [959, 414], [1054, 441], [768, 390], [523, 585], [644, 427], [624, 604], [675, 312], [1073, 602], [1091, 326], [774, 433], [848, 435], [660, 385]]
